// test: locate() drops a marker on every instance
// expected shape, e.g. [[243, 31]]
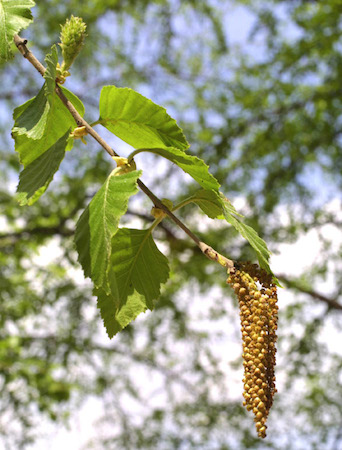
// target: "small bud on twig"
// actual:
[[72, 37]]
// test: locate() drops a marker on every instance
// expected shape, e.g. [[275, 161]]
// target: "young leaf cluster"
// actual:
[[41, 133]]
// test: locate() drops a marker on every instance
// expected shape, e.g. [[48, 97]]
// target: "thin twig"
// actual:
[[206, 249], [21, 45]]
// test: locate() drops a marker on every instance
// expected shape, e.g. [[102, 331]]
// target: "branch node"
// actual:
[[213, 255]]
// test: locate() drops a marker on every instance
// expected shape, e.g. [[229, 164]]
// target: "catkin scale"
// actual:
[[258, 316]]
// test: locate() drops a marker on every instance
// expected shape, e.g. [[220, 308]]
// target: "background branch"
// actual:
[[296, 284]]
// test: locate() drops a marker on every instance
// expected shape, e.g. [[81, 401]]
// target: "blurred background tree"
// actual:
[[256, 86]]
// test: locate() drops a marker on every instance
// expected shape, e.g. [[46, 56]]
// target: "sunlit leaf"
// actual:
[[58, 121], [51, 60], [137, 120], [216, 205], [137, 270], [209, 202], [33, 119], [192, 165], [258, 244], [15, 15], [99, 222]]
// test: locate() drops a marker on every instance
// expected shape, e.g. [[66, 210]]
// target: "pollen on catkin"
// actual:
[[259, 316]]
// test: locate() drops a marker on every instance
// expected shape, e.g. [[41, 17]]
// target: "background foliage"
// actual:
[[256, 86]]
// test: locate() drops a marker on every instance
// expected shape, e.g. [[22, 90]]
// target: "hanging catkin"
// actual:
[[259, 315]]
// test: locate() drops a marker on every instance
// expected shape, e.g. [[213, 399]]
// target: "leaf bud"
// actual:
[[72, 36]]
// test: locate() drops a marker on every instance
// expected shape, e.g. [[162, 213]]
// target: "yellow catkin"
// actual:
[[258, 315]]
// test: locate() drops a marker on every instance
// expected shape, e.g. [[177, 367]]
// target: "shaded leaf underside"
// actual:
[[36, 177]]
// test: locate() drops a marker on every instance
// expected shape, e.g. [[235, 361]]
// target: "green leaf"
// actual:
[[137, 120], [35, 179], [15, 15], [31, 117], [253, 238], [228, 206], [51, 60], [58, 121], [99, 222], [192, 165], [32, 120], [116, 318], [216, 205], [247, 232], [137, 269], [209, 202]]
